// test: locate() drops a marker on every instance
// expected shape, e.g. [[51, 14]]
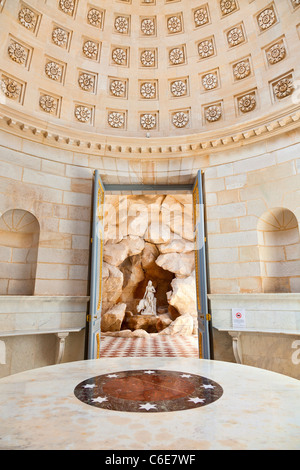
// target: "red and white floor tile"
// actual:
[[155, 346]]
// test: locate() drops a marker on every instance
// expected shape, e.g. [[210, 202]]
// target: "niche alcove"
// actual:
[[19, 240], [279, 249]]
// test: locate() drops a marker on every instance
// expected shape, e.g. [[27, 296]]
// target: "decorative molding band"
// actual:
[[121, 147]]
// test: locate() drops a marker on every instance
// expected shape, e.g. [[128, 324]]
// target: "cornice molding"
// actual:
[[49, 134]]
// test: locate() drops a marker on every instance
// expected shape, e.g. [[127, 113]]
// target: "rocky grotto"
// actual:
[[149, 237]]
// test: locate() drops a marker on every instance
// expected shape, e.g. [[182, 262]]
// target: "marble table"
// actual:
[[149, 404]]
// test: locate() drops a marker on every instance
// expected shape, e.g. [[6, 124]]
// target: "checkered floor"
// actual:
[[155, 346]]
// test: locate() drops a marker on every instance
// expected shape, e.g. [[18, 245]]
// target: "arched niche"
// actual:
[[19, 240], [279, 250]]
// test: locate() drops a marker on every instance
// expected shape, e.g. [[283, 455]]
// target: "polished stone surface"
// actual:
[[258, 409], [148, 390]]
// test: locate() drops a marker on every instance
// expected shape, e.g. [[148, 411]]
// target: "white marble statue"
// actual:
[[147, 305]]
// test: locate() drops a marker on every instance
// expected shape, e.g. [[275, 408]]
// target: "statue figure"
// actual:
[[147, 305]]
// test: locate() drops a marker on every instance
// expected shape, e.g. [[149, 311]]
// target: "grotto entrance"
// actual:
[[145, 234]]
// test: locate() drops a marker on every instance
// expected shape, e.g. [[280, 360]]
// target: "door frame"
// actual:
[[204, 317]]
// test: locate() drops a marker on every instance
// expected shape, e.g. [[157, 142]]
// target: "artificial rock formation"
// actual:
[[149, 237]]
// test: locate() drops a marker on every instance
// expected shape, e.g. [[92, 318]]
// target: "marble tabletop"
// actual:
[[149, 403]]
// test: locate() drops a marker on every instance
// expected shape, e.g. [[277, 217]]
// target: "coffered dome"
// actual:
[[149, 68]]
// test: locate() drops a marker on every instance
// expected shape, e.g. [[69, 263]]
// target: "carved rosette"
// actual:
[[53, 71], [116, 119], [176, 56], [48, 103], [94, 17], [210, 81], [122, 24], [180, 119], [67, 6], [86, 81], [148, 26], [27, 18], [206, 49], [174, 24], [90, 49], [242, 70], [178, 88], [117, 88], [276, 53], [83, 113], [284, 88], [119, 56], [266, 18], [200, 16], [17, 53], [148, 121], [59, 37], [148, 58], [247, 103], [148, 90], [228, 6], [10, 88], [213, 113], [235, 36]]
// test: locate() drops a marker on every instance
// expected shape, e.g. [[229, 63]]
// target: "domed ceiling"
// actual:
[[149, 68]]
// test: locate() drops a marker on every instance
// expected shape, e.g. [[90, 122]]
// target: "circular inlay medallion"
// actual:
[[148, 391]]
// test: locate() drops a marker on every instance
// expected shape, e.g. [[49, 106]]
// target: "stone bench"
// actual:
[[38, 315]]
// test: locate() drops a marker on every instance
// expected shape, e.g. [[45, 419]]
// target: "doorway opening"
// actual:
[[147, 236]]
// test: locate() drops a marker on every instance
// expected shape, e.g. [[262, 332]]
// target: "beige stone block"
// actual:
[[46, 179], [232, 239], [256, 207], [77, 199], [54, 168], [223, 255], [295, 284], [234, 270], [275, 285], [227, 210], [250, 285], [51, 271], [8, 170], [15, 271], [236, 181], [225, 170], [60, 211], [60, 287], [5, 253], [248, 253], [248, 223], [283, 268], [272, 253], [55, 240], [292, 252], [81, 242], [213, 226], [229, 225], [214, 185], [254, 163], [7, 154], [20, 287], [273, 173], [80, 185], [65, 256], [228, 196], [78, 272], [224, 286], [74, 227], [79, 213], [288, 153]]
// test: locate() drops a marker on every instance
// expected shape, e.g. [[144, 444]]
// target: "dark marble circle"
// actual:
[[148, 391]]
